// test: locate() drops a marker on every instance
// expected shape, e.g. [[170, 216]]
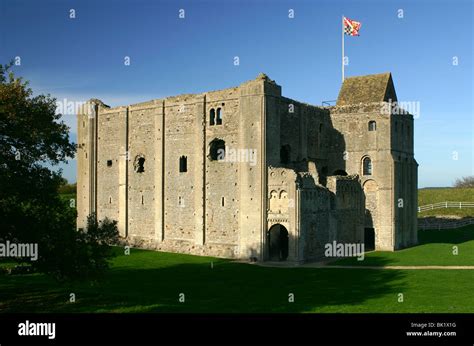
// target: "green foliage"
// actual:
[[85, 253], [31, 136], [32, 140], [464, 182], [66, 188]]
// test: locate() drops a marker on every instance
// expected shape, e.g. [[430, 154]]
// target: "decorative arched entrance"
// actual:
[[277, 238]]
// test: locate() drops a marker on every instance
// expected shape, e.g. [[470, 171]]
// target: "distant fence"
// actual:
[[447, 224], [443, 205]]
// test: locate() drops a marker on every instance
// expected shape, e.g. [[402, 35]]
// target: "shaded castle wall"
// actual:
[[317, 219], [386, 182], [406, 180], [333, 214], [349, 208]]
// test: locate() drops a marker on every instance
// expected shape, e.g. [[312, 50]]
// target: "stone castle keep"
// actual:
[[247, 173]]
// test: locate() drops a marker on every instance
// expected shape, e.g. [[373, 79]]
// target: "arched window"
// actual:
[[372, 125], [367, 166], [219, 116], [212, 117], [139, 164], [217, 150], [183, 164], [285, 154]]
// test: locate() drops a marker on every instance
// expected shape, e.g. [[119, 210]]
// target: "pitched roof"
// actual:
[[366, 89]]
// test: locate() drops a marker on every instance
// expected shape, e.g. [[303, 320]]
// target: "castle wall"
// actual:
[[252, 179], [349, 208], [318, 221], [390, 180], [284, 209], [222, 177], [130, 168], [139, 183], [142, 123], [109, 146], [353, 122], [85, 140], [306, 129]]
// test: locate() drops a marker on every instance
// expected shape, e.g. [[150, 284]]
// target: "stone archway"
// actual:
[[277, 238]]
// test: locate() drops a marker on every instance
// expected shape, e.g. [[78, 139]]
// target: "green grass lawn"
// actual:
[[148, 281], [431, 196], [435, 248]]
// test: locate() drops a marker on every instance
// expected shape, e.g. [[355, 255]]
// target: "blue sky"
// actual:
[[77, 59]]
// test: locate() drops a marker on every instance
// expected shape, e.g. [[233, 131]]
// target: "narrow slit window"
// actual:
[[219, 116], [212, 117], [183, 164]]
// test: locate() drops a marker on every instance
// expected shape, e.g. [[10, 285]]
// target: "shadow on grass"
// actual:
[[448, 236], [375, 261], [227, 287]]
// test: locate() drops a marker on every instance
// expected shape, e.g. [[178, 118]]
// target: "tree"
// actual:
[[84, 254], [32, 140], [66, 188], [464, 182]]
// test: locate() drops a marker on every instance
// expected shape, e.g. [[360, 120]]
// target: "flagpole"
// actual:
[[343, 48]]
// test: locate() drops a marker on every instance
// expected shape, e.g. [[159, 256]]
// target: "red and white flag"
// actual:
[[351, 27]]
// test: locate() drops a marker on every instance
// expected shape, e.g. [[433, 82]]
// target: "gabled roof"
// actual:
[[366, 89]]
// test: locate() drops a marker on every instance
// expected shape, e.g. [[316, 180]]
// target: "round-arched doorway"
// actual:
[[277, 238]]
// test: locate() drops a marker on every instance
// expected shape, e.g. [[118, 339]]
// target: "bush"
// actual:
[[464, 182], [82, 254], [67, 189]]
